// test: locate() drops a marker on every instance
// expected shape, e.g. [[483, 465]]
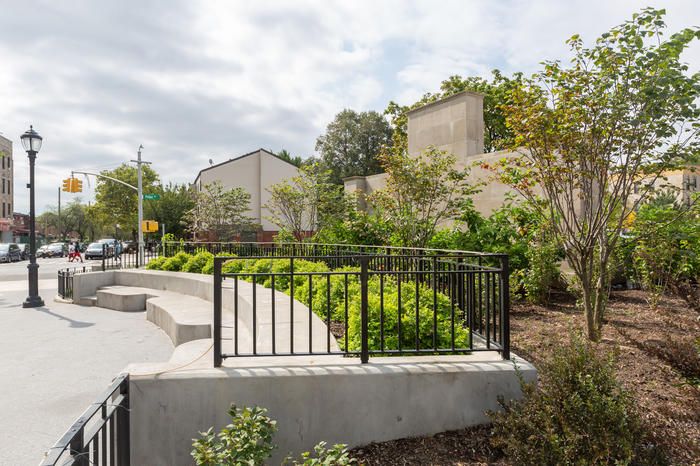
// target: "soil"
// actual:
[[656, 358]]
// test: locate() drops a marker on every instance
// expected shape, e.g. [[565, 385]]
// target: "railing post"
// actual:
[[364, 304], [123, 426], [505, 306], [104, 254], [217, 312], [77, 448]]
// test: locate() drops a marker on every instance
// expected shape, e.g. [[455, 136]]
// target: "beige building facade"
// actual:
[[455, 125], [7, 191], [255, 172]]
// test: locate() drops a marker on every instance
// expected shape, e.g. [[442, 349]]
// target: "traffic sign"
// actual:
[[151, 197], [149, 226]]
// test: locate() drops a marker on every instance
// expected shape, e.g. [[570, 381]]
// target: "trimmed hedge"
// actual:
[[314, 292]]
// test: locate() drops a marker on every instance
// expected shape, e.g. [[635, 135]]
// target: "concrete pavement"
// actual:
[[55, 360]]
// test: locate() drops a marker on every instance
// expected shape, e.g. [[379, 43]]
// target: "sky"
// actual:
[[199, 80]]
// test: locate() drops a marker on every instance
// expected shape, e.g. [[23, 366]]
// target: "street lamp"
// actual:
[[32, 143]]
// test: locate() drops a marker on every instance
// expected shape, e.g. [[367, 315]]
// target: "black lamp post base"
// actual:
[[33, 301]]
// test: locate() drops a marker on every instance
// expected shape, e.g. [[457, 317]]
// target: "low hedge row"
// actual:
[[311, 287]]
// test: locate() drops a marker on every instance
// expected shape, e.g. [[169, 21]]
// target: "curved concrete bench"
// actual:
[[183, 318], [181, 304]]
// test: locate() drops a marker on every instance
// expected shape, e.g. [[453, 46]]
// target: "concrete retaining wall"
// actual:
[[337, 400]]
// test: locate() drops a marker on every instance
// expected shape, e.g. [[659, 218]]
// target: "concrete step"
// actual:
[[183, 318], [88, 301]]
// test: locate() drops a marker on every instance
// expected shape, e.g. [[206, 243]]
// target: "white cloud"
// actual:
[[199, 80]]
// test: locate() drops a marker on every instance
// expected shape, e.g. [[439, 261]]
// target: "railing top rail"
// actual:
[[386, 248], [55, 452]]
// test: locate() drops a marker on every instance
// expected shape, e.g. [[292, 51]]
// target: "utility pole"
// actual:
[[58, 233], [139, 162]]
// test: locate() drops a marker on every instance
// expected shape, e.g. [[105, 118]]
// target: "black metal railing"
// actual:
[[364, 301], [65, 280], [100, 436], [107, 259]]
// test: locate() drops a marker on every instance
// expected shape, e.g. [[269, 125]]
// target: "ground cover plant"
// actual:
[[247, 440]]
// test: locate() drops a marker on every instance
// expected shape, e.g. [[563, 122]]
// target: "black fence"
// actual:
[[100, 436], [357, 301], [106, 259]]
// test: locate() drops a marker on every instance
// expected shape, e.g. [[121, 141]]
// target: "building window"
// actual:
[[3, 185], [3, 210]]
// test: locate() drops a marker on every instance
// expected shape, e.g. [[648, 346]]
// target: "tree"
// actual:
[[420, 193], [175, 201], [624, 111], [306, 203], [496, 94], [118, 204], [294, 160], [219, 212], [352, 143]]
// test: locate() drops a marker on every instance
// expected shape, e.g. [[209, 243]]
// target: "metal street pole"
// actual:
[[33, 300], [139, 190], [58, 233]]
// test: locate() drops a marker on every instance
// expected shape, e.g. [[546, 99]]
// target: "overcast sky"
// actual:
[[215, 79]]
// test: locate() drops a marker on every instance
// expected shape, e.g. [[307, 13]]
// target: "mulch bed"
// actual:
[[656, 361]]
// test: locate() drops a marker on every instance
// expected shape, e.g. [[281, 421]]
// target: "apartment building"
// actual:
[[255, 172], [6, 189]]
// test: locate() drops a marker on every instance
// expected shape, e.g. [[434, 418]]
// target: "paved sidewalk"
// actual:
[[55, 360]]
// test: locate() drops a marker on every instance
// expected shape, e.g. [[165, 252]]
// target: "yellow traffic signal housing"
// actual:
[[149, 226], [76, 185], [68, 185]]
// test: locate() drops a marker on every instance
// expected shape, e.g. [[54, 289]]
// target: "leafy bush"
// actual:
[[335, 456], [196, 263], [175, 263], [156, 263], [580, 414], [667, 247], [247, 440], [408, 317]]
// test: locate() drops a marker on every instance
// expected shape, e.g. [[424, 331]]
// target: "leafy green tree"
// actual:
[[220, 213], [351, 144], [118, 204], [175, 201], [294, 160], [420, 194], [624, 110], [496, 93], [306, 203]]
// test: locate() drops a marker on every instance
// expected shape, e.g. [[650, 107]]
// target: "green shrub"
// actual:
[[580, 414], [247, 440], [196, 263], [157, 263], [335, 456], [176, 262], [408, 317]]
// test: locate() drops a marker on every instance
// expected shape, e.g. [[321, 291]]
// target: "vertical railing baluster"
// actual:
[[505, 306], [217, 312], [272, 283], [364, 305]]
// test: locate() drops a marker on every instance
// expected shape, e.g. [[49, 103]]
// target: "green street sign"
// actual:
[[151, 197]]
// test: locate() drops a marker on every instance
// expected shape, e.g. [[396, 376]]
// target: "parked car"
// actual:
[[9, 252], [95, 251], [129, 247], [43, 251], [56, 250], [112, 246], [24, 248]]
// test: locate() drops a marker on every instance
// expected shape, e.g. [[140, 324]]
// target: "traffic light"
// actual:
[[77, 185], [149, 226], [67, 185]]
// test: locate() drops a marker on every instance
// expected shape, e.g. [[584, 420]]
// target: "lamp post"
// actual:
[[31, 141]]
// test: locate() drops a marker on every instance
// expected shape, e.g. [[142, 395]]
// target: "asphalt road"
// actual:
[[55, 360]]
